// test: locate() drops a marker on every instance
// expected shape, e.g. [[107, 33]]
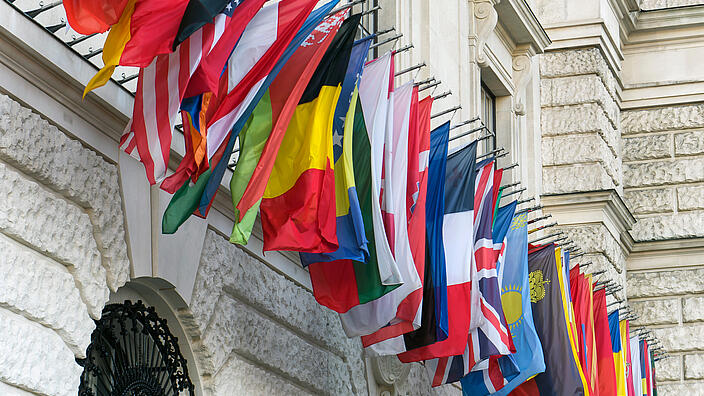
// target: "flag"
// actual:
[[416, 206], [343, 284], [298, 206], [561, 376], [624, 326], [350, 225], [516, 302], [492, 379], [197, 14], [145, 29], [645, 368], [187, 198], [635, 366], [618, 353], [370, 317], [483, 253], [93, 16], [458, 214], [486, 341], [604, 350]]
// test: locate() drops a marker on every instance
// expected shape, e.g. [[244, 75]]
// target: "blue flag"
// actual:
[[351, 237]]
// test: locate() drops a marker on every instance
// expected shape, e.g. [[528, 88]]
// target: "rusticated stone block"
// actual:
[[578, 119], [35, 358], [665, 283], [693, 309], [226, 270], [586, 148], [659, 4], [238, 377], [54, 227], [44, 292], [663, 172], [694, 366], [63, 164], [681, 338], [237, 328], [574, 62], [690, 198], [669, 369], [595, 238], [689, 143], [657, 200], [574, 178], [657, 312], [662, 119], [578, 90], [680, 389], [672, 226], [647, 147]]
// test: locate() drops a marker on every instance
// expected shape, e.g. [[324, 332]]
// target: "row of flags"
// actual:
[[408, 244]]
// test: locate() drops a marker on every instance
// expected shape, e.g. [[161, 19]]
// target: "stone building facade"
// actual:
[[600, 102]]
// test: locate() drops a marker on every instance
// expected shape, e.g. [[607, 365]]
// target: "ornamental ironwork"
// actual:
[[133, 353]]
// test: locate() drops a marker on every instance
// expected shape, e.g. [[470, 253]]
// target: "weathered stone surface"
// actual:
[[656, 312], [663, 119], [663, 172], [574, 178], [647, 147], [682, 338], [577, 62], [694, 366], [658, 4], [577, 90], [44, 292], [57, 228], [596, 238], [670, 282], [35, 358], [7, 390], [578, 119], [657, 200], [41, 150], [680, 389], [418, 384], [689, 143], [669, 369], [238, 328], [239, 377], [585, 148], [690, 198], [672, 226], [693, 309]]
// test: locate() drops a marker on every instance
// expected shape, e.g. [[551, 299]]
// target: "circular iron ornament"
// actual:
[[133, 353]]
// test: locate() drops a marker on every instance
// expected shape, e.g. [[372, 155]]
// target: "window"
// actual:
[[488, 116]]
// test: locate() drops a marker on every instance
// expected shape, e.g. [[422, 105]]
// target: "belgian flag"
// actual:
[[298, 208]]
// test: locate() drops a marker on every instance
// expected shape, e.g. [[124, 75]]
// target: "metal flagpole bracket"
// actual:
[[369, 11], [514, 165], [547, 237], [403, 49], [410, 69], [537, 219], [526, 200], [471, 131], [435, 84], [509, 185], [388, 40], [346, 6], [528, 210], [490, 153], [426, 81], [442, 113], [514, 192], [442, 95], [463, 123]]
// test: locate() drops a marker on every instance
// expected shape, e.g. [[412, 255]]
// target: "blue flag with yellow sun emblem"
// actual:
[[515, 300]]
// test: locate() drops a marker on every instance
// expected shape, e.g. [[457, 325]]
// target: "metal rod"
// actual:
[[547, 236], [426, 81], [528, 210], [505, 153], [542, 227], [80, 40], [403, 49], [514, 165], [369, 11], [127, 79], [389, 30], [463, 123], [490, 153], [547, 216], [346, 6], [514, 192], [526, 200], [442, 113], [410, 69], [442, 95], [55, 28], [93, 53], [509, 185], [33, 13], [388, 40], [435, 84], [471, 131]]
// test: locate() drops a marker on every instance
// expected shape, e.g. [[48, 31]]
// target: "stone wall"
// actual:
[[660, 4], [63, 249], [664, 180]]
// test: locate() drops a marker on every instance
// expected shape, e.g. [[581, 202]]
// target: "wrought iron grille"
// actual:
[[133, 353]]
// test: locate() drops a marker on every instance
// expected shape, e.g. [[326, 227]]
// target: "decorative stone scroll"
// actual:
[[486, 18]]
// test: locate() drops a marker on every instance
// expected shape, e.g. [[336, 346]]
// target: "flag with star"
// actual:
[[350, 225], [298, 206], [200, 12]]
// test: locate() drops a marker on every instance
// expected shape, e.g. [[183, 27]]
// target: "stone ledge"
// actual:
[[669, 226], [54, 226], [35, 358], [665, 283], [44, 292], [656, 173], [63, 164]]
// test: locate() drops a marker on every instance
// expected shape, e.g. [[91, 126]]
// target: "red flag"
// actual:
[[604, 352], [93, 16]]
